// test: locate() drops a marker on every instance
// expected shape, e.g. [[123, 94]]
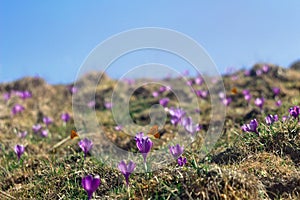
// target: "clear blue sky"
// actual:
[[52, 38]]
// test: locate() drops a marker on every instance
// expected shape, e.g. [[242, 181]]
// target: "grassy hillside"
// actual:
[[242, 165]]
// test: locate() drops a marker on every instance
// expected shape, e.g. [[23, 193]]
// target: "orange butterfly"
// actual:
[[234, 90], [74, 134], [154, 132]]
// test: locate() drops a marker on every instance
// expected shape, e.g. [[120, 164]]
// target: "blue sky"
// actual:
[[52, 38]]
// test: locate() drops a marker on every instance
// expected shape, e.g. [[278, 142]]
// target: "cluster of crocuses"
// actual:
[[17, 108], [178, 117], [144, 145], [225, 100], [264, 70], [270, 119], [161, 90], [21, 94]]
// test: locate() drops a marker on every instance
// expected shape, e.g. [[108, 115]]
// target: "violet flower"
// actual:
[[265, 68], [278, 103], [118, 128], [164, 102], [248, 97], [91, 104], [22, 134], [6, 96], [251, 127], [90, 184], [189, 126], [44, 133], [222, 95], [189, 82], [162, 89], [65, 117], [73, 89], [295, 111], [155, 94], [258, 72], [19, 150], [276, 91], [247, 72], [259, 102], [176, 115], [284, 118], [17, 109], [199, 80], [126, 170], [202, 93], [108, 105], [25, 94], [226, 101], [47, 120], [176, 150], [270, 119], [181, 161], [144, 144], [36, 128], [245, 92], [86, 145]]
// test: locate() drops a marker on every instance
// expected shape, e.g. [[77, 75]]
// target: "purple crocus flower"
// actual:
[[176, 150], [265, 68], [164, 102], [90, 184], [47, 120], [199, 80], [245, 92], [36, 128], [251, 127], [248, 97], [73, 89], [258, 72], [234, 77], [247, 72], [189, 126], [270, 119], [276, 91], [44, 133], [25, 94], [22, 134], [144, 144], [91, 104], [65, 117], [108, 105], [226, 101], [6, 96], [259, 102], [118, 128], [176, 115], [126, 170], [163, 89], [278, 103], [155, 94], [19, 149], [86, 145], [222, 95], [17, 109], [295, 111], [189, 82], [181, 161], [202, 93], [284, 118]]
